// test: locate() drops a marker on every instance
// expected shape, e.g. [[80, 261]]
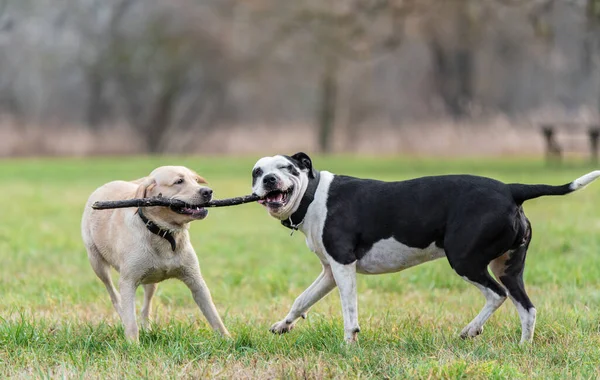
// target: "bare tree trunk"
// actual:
[[591, 41], [453, 62], [453, 73], [161, 116], [327, 107], [97, 109]]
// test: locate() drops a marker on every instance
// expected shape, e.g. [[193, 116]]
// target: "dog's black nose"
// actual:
[[206, 193], [270, 179]]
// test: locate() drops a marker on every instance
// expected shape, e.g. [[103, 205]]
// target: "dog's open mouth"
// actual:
[[276, 198], [196, 212]]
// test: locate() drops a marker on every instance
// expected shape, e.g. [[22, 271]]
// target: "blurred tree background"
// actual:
[[226, 76]]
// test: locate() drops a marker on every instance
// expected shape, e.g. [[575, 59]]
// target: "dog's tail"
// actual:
[[522, 192]]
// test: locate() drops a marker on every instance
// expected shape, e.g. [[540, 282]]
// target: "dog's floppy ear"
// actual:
[[145, 185], [304, 162], [199, 178]]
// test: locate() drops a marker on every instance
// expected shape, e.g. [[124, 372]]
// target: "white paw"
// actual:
[[132, 337], [146, 324], [352, 335], [471, 331], [281, 327]]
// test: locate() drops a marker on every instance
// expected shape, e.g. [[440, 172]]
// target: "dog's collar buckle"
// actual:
[[294, 227]]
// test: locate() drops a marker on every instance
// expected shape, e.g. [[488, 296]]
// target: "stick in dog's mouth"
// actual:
[[194, 211], [174, 204]]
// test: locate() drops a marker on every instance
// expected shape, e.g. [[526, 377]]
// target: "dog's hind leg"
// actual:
[[494, 297], [473, 268], [102, 270], [470, 247], [149, 290], [509, 268]]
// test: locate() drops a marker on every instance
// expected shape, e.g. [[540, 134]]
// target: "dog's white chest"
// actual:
[[315, 217], [389, 255], [160, 270]]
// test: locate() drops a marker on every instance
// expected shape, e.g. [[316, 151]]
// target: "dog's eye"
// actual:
[[179, 181], [256, 172], [293, 171]]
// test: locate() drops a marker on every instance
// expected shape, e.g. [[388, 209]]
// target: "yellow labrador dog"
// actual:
[[150, 245]]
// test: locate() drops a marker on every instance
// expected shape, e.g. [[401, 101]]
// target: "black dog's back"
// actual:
[[414, 212], [423, 210]]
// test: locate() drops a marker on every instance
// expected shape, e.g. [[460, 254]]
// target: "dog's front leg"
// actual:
[[345, 278], [317, 290], [194, 281], [127, 289]]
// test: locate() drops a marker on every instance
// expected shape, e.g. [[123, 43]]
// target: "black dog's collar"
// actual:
[[156, 230], [297, 218]]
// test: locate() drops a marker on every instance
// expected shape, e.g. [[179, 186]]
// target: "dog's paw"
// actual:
[[133, 338], [281, 327], [471, 331], [351, 336], [146, 325]]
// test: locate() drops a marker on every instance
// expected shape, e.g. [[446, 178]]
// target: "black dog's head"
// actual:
[[281, 182]]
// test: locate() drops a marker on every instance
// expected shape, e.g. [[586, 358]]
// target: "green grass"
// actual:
[[57, 320]]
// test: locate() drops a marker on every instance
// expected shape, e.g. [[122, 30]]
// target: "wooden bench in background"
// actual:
[[560, 138]]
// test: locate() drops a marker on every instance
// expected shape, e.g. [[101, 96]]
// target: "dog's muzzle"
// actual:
[[276, 196], [196, 211]]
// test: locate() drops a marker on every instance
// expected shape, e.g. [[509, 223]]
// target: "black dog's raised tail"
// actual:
[[522, 192]]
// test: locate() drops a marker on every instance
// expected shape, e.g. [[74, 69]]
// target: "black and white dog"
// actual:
[[368, 226]]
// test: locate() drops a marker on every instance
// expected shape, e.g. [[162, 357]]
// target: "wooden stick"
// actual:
[[165, 202]]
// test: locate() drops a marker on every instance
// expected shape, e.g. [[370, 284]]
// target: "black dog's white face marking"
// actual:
[[281, 182]]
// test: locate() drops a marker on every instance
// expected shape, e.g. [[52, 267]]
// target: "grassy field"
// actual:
[[57, 320]]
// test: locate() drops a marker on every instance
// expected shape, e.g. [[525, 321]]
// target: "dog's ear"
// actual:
[[145, 185], [304, 162], [199, 178]]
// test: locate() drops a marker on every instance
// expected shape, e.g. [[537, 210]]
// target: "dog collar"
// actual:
[[309, 196], [156, 230]]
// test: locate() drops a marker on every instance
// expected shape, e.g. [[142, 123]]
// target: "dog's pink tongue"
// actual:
[[276, 198]]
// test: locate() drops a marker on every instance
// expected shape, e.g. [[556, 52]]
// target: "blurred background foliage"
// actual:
[[224, 76]]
